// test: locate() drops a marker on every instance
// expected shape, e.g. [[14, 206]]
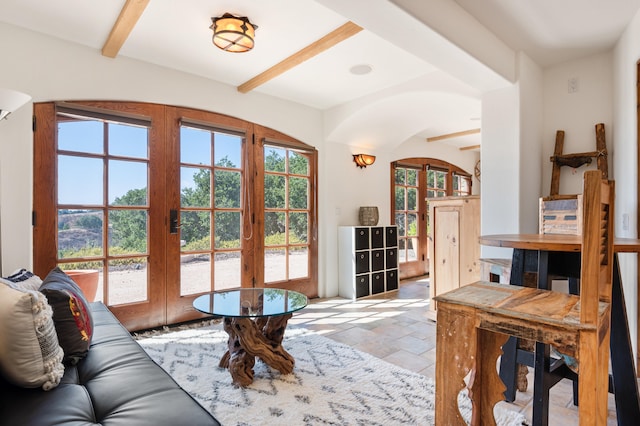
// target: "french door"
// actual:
[[413, 182], [168, 203]]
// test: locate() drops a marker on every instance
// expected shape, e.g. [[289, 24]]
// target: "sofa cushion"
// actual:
[[30, 355], [116, 384], [71, 314], [22, 280]]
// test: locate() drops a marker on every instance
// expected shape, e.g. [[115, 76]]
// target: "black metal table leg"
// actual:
[[508, 362], [541, 385], [625, 384]]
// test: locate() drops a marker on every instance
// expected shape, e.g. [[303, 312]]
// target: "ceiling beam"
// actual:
[[467, 148], [453, 135], [336, 36], [129, 15]]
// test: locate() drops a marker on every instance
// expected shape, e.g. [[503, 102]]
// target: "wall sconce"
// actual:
[[10, 100], [233, 33], [364, 160]]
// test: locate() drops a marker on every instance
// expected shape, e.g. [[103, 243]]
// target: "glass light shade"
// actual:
[[233, 33], [11, 100], [363, 160]]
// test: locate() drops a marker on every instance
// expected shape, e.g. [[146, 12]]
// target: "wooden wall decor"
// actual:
[[576, 160]]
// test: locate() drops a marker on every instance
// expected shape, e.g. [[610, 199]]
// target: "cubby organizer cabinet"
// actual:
[[368, 260]]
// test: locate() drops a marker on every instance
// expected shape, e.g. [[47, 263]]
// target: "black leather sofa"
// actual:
[[116, 384]]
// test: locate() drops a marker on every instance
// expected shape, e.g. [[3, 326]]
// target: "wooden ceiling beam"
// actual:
[[453, 135], [336, 36], [129, 15], [467, 148]]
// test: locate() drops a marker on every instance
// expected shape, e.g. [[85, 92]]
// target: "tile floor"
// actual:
[[395, 327]]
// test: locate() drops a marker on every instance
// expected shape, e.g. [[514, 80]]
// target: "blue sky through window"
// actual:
[[80, 178]]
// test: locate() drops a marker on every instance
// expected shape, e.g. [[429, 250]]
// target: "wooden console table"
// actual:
[[547, 254]]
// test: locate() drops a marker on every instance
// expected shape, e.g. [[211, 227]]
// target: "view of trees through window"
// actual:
[[436, 183], [406, 212], [209, 159], [286, 217], [163, 203], [102, 199], [210, 207], [414, 181]]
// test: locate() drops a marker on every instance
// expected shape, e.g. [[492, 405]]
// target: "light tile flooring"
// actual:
[[395, 327]]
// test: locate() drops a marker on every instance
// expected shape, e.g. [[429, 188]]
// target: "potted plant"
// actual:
[[87, 280]]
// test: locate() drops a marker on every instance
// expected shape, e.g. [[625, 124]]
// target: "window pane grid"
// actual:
[[432, 178], [406, 212], [102, 203], [286, 220], [211, 198]]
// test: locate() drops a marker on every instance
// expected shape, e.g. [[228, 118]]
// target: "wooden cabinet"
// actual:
[[368, 260], [454, 250]]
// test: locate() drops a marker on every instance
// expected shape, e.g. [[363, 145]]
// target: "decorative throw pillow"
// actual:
[[23, 280], [30, 355], [71, 314]]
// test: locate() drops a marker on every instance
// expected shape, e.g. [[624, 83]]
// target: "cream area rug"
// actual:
[[332, 383]]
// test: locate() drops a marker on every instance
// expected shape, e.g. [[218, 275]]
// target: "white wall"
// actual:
[[531, 106], [625, 146], [511, 156], [419, 147], [500, 177], [577, 114]]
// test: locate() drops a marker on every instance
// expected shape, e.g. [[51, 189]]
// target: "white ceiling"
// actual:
[[554, 31], [406, 94]]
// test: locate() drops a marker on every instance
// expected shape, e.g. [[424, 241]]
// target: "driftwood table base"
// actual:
[[248, 339]]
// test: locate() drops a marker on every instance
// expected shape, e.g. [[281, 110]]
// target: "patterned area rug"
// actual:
[[332, 383]]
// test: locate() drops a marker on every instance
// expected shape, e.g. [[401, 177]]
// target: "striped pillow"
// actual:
[[30, 355]]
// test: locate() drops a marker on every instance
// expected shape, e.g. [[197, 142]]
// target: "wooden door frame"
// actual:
[[421, 265], [264, 135], [164, 304], [135, 315], [180, 308], [637, 209]]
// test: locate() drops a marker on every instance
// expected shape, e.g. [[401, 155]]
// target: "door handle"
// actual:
[[173, 221]]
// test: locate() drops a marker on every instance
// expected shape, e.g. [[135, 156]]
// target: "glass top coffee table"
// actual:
[[255, 320]]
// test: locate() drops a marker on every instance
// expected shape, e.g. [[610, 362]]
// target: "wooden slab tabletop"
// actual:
[[552, 242]]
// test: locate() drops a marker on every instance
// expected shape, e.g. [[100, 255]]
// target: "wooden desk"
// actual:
[[560, 254]]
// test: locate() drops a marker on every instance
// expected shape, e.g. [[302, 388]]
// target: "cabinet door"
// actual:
[[377, 237], [362, 262], [362, 285], [377, 260], [362, 238], [392, 258], [391, 236], [447, 249], [377, 282], [392, 280]]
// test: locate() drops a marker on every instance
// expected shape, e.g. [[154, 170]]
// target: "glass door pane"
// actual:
[[406, 213], [102, 204], [287, 192], [211, 176]]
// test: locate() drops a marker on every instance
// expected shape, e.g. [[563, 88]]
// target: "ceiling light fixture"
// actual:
[[233, 33], [363, 160]]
